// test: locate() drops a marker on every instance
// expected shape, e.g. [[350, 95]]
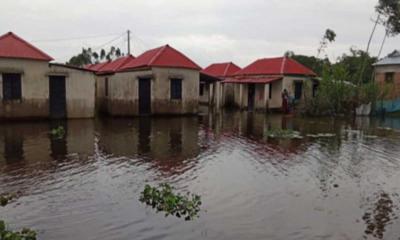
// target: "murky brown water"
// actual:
[[87, 185]]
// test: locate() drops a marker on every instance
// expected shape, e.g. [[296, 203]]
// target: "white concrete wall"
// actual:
[[80, 87], [124, 91], [80, 91]]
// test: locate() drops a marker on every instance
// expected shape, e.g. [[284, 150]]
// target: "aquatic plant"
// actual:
[[58, 132], [24, 234], [165, 200], [6, 198], [321, 135], [283, 133]]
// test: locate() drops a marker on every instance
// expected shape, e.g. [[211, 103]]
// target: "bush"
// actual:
[[24, 234]]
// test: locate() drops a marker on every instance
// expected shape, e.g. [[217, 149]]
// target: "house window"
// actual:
[[389, 77], [176, 89], [106, 87], [12, 86], [201, 89], [270, 91]]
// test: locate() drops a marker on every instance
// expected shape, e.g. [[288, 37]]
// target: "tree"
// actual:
[[352, 62], [312, 62], [87, 56], [328, 37], [389, 10]]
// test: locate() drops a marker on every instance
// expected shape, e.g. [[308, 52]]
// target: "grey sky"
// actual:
[[207, 30]]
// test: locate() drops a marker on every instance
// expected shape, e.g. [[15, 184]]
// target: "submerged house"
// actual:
[[387, 70], [210, 81], [32, 87], [259, 85], [161, 81], [103, 72]]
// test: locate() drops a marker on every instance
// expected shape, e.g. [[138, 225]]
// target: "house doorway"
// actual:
[[57, 97], [251, 96], [298, 90], [144, 96]]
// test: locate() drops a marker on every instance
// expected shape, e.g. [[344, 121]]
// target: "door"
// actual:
[[251, 96], [57, 97], [298, 90], [144, 96]]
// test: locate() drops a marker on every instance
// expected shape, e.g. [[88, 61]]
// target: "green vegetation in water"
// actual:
[[24, 234], [58, 132], [6, 198], [321, 135], [283, 133], [165, 200]]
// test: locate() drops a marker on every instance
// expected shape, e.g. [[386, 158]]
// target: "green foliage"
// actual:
[[389, 11], [58, 132], [6, 198], [88, 56], [312, 62], [353, 64], [283, 133], [334, 95], [24, 234], [164, 199]]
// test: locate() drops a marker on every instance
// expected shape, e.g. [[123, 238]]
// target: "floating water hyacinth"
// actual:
[[283, 133], [321, 135], [58, 132], [24, 234], [6, 198], [165, 200]]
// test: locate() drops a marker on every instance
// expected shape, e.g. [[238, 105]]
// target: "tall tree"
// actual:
[[88, 56]]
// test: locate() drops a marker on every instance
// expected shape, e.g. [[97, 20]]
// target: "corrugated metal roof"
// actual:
[[391, 59], [164, 56], [12, 46], [253, 80], [110, 67], [276, 66], [222, 69]]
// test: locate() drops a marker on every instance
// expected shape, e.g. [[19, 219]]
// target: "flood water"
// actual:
[[86, 185]]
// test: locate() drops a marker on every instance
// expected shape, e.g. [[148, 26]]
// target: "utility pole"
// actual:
[[129, 42]]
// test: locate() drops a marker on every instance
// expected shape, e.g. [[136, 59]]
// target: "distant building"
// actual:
[[259, 86], [210, 81], [32, 87], [387, 70], [103, 72], [161, 81]]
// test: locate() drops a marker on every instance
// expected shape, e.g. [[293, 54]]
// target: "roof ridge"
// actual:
[[226, 68], [184, 56], [11, 34], [157, 55]]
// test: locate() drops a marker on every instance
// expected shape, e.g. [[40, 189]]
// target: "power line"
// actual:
[[74, 38], [113, 40]]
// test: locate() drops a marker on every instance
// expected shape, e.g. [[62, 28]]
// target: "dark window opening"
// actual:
[[270, 91], [106, 87], [201, 89], [389, 77], [12, 86], [176, 89], [298, 90]]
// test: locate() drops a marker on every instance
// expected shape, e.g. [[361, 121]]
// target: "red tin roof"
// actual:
[[12, 46], [110, 67], [222, 69], [116, 65], [164, 56], [276, 66], [253, 80]]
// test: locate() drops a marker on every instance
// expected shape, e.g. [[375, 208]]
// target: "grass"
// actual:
[[6, 198], [163, 199]]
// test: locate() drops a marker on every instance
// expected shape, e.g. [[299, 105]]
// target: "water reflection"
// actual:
[[253, 186]]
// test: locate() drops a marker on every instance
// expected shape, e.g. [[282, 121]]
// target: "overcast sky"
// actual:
[[205, 30]]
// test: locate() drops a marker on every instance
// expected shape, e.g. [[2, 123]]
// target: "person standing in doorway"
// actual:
[[285, 101]]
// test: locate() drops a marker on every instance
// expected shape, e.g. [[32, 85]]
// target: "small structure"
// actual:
[[31, 87], [161, 81], [210, 82], [259, 86], [387, 70], [103, 72]]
